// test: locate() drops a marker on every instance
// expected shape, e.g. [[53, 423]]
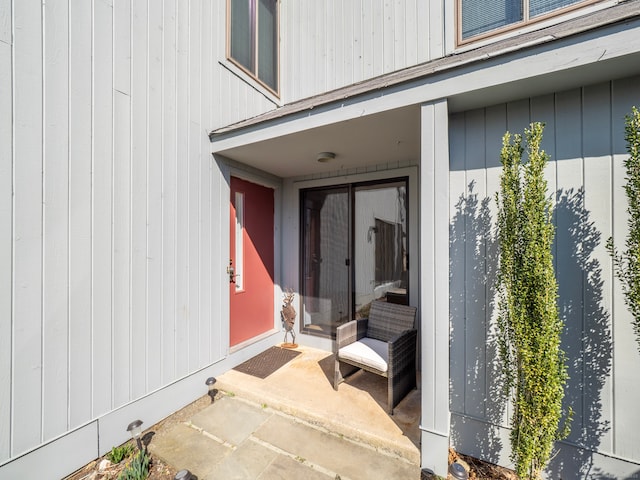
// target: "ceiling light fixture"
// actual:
[[325, 157]]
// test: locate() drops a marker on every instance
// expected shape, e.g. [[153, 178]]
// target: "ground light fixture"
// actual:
[[185, 475], [210, 381], [135, 429], [458, 472]]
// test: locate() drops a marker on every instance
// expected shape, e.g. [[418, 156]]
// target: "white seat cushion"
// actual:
[[368, 351]]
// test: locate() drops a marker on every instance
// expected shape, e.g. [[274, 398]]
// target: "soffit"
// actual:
[[393, 136]]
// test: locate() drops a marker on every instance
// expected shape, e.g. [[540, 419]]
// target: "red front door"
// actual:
[[251, 257]]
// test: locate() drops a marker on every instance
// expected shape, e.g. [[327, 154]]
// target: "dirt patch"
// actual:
[[97, 470], [479, 470]]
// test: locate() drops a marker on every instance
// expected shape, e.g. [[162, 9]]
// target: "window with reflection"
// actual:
[[253, 39], [480, 18], [354, 241]]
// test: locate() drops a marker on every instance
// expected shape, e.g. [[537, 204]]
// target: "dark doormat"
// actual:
[[267, 362]]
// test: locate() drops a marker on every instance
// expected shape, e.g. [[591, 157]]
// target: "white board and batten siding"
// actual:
[[584, 135], [331, 44], [112, 267], [434, 286], [6, 232], [28, 186]]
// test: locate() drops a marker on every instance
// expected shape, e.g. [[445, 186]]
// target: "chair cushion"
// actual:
[[367, 351]]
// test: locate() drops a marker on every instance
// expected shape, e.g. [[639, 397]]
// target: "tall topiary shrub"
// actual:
[[528, 322], [627, 264]]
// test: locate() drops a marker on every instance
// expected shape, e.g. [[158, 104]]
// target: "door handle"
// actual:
[[231, 272]]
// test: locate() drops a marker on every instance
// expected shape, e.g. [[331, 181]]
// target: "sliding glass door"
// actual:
[[354, 250]]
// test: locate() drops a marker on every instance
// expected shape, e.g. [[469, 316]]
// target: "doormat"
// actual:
[[267, 362]]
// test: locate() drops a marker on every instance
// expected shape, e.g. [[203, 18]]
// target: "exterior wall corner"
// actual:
[[434, 288]]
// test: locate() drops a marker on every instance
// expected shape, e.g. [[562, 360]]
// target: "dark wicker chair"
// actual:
[[384, 344]]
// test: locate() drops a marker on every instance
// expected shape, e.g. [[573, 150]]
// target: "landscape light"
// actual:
[[458, 472], [135, 429], [212, 393], [185, 475]]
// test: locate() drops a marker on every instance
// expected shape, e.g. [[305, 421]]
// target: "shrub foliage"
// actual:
[[528, 322], [627, 264]]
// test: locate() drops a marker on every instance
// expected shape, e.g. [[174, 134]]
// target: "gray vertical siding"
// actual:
[[585, 138], [110, 204]]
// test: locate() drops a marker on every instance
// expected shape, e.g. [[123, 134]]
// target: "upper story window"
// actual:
[[253, 38], [481, 18]]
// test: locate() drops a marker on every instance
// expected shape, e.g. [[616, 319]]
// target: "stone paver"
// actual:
[[334, 453], [293, 426], [247, 462], [215, 419], [285, 468], [184, 447], [237, 440]]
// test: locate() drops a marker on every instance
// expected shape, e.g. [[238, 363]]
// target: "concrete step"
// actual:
[[357, 411]]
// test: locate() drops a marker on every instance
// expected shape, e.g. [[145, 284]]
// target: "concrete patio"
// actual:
[[293, 424]]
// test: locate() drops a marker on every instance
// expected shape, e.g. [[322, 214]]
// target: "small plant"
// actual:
[[117, 454], [627, 263], [137, 468]]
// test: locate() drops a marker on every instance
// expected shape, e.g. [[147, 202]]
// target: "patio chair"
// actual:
[[384, 344]]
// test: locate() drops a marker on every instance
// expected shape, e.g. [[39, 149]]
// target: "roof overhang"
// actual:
[[378, 121]]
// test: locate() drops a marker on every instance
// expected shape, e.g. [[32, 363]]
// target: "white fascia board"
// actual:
[[555, 57], [485, 71]]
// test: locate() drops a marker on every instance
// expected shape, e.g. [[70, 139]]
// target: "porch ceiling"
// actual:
[[389, 136]]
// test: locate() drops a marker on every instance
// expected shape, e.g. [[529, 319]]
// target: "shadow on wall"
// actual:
[[477, 396], [587, 338]]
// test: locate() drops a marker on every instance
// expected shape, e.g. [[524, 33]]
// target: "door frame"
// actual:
[[291, 238], [231, 169], [352, 260]]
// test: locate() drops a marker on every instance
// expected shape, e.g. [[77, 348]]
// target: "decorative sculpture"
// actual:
[[289, 319]]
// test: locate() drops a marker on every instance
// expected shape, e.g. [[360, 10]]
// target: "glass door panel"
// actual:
[[354, 251], [325, 259], [380, 244]]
